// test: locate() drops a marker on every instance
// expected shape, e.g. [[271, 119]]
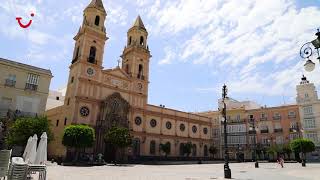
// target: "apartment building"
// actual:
[[23, 88]]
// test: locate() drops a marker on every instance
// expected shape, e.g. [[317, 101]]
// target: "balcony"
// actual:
[[293, 130], [252, 132], [263, 118], [278, 130], [276, 117], [10, 83], [31, 87], [262, 131]]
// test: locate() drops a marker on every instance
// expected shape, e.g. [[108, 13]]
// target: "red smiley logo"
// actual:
[[24, 25]]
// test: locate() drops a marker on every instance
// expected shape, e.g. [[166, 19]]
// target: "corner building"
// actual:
[[104, 97]]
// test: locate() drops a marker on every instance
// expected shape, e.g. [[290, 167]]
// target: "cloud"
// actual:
[[169, 56], [246, 41]]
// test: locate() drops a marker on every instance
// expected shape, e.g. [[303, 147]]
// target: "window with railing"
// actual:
[[11, 80], [276, 116], [292, 114], [307, 110], [32, 82], [309, 123], [263, 117], [312, 136]]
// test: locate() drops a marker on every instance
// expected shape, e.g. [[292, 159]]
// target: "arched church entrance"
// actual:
[[113, 113]]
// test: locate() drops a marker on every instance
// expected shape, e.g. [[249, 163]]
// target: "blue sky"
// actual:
[[197, 45]]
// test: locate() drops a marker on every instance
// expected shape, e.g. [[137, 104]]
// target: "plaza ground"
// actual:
[[241, 171]]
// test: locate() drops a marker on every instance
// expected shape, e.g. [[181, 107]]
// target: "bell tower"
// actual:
[[91, 37], [86, 64], [135, 57]]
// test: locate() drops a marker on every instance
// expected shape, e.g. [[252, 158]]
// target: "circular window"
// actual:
[[182, 127], [90, 71], [168, 125], [205, 130], [153, 123], [194, 129], [138, 120], [84, 111]]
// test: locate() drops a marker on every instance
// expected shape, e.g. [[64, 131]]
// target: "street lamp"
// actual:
[[307, 50], [253, 128], [227, 170]]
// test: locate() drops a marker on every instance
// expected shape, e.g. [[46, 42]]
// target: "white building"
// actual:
[[309, 108], [55, 98]]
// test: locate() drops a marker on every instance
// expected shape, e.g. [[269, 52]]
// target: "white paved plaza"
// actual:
[[243, 171]]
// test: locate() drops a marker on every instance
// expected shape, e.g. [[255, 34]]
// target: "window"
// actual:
[[263, 115], [57, 123], [153, 123], [57, 98], [32, 82], [292, 114], [68, 102], [76, 55], [279, 140], [238, 117], [33, 79], [140, 73], [194, 129], [205, 150], [72, 78], [306, 95], [92, 55], [127, 68], [264, 140], [250, 116], [168, 125], [141, 40], [181, 149], [182, 127], [11, 80], [97, 20], [194, 150], [309, 123], [65, 121], [130, 40], [307, 110], [312, 136], [205, 130], [138, 120], [152, 147]]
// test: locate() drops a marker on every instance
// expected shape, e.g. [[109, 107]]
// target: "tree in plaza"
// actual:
[[272, 150], [287, 150], [165, 148], [187, 148], [302, 146], [78, 136], [213, 150], [119, 137], [24, 127]]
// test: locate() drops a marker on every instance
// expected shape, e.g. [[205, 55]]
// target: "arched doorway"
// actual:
[[136, 148]]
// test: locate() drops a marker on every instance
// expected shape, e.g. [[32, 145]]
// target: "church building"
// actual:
[[102, 97]]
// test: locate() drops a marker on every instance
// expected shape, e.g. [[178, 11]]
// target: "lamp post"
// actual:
[[303, 162], [227, 170], [307, 50], [256, 164]]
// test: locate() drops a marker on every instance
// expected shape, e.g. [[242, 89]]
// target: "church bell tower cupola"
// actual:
[[136, 53], [91, 37]]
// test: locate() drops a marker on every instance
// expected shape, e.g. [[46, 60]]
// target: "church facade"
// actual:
[[102, 97]]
